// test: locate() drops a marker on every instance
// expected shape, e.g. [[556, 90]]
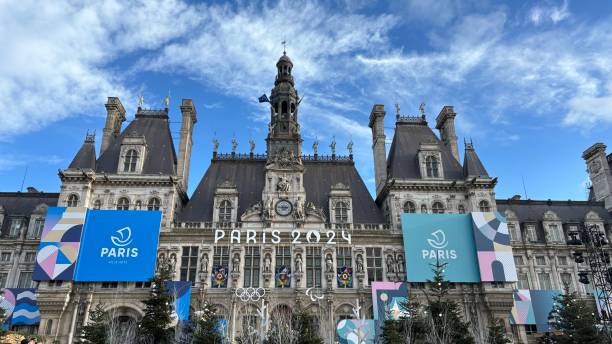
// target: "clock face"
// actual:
[[284, 207]]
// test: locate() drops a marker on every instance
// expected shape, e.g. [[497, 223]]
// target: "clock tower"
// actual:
[[284, 196]]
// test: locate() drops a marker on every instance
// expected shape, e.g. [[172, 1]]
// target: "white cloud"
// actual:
[[56, 56], [555, 14]]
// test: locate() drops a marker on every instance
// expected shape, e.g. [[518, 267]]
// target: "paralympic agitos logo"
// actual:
[[121, 240], [438, 247]]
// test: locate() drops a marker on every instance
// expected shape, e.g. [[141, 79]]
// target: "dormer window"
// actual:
[[154, 204], [437, 208], [225, 211], [73, 200], [341, 212], [484, 206], [431, 165], [131, 161], [409, 207], [123, 203]]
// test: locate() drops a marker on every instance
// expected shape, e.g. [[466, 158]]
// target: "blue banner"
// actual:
[[448, 238], [20, 307], [118, 245], [181, 293]]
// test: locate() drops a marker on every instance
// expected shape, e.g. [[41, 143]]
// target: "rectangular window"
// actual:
[[374, 261], [221, 256], [544, 279], [283, 256], [532, 236], [553, 233], [344, 257], [313, 267], [36, 229], [518, 260], [5, 257], [15, 227], [562, 260], [110, 285], [566, 279], [514, 233], [55, 283], [142, 285], [523, 281], [30, 257], [25, 279], [252, 262], [531, 329], [189, 263], [249, 323], [3, 280], [540, 260]]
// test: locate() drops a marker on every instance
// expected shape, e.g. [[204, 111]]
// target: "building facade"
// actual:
[[254, 215]]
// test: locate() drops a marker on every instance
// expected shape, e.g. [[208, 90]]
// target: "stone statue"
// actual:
[[234, 145], [215, 144], [267, 263], [422, 109], [397, 110], [252, 145], [299, 208], [236, 263], [333, 145], [140, 101], [329, 264], [282, 185], [390, 264], [167, 101], [298, 263], [268, 209], [350, 147], [172, 263], [161, 260], [204, 263], [359, 263], [399, 263], [315, 146]]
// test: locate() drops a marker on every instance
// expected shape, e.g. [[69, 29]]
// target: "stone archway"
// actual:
[[123, 324]]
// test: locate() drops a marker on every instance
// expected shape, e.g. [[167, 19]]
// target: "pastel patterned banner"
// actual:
[[389, 299], [20, 307], [345, 277], [352, 331], [219, 277], [282, 277], [495, 259], [59, 244], [181, 293], [532, 307]]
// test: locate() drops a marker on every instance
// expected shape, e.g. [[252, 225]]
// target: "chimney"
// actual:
[[377, 123], [32, 189], [188, 111], [115, 115], [600, 173], [445, 123]]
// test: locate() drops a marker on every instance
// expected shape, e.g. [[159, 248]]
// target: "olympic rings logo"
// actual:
[[250, 294]]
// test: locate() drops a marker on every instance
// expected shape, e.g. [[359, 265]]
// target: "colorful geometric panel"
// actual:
[[181, 293], [532, 307], [389, 300], [356, 331], [59, 244], [345, 277], [492, 239], [20, 307], [219, 277], [282, 278]]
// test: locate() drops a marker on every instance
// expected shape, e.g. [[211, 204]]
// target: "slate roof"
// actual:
[[23, 204], [160, 157], [248, 176], [472, 166], [85, 157], [403, 154], [567, 211]]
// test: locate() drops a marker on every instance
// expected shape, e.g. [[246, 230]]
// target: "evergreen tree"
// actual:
[[444, 320], [497, 333], [391, 332], [308, 332], [574, 320], [206, 331], [95, 330], [155, 324]]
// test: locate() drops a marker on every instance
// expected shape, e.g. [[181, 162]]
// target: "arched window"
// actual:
[[409, 207], [424, 209], [461, 209], [341, 212], [130, 161], [73, 200], [49, 327], [123, 204], [437, 208], [153, 204], [276, 107], [483, 206], [225, 211], [97, 204], [431, 164], [284, 107]]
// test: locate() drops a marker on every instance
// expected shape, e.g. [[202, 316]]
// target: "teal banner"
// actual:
[[448, 238]]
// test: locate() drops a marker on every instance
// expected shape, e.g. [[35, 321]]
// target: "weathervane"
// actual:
[[397, 110], [422, 109], [284, 43], [167, 99], [140, 101]]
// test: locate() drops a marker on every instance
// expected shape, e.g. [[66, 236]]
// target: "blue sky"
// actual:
[[531, 82]]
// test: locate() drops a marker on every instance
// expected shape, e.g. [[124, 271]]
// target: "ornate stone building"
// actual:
[[254, 213]]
